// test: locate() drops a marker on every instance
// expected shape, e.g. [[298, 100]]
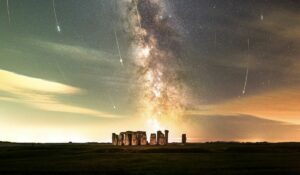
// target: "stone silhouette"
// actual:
[[129, 138], [183, 139], [153, 139], [167, 136], [135, 138], [160, 138]]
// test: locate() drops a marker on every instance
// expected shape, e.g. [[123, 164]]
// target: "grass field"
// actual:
[[205, 158]]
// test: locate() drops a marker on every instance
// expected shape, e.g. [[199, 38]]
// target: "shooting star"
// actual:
[[246, 79], [55, 16], [261, 16], [247, 71], [8, 12], [111, 101], [118, 46]]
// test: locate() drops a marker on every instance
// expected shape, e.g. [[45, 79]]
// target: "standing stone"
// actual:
[[158, 135], [153, 139], [121, 139], [128, 137], [134, 139], [160, 138], [114, 139], [166, 136], [138, 137], [183, 138], [143, 138]]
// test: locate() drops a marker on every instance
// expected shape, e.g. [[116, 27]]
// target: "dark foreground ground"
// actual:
[[206, 158]]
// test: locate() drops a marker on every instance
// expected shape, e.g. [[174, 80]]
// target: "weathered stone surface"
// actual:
[[144, 138], [160, 138], [114, 139], [166, 136], [128, 138], [162, 141], [153, 139], [134, 139], [183, 138], [139, 137], [158, 135], [121, 139]]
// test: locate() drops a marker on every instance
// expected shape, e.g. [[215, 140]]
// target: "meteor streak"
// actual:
[[246, 79], [55, 16], [8, 12], [118, 46], [247, 71]]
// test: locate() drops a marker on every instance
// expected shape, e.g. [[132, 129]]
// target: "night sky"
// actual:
[[235, 67]]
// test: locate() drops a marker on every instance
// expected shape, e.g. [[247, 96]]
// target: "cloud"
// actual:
[[283, 23], [244, 128], [34, 46], [90, 58], [42, 94], [273, 41], [12, 82], [75, 52], [281, 104]]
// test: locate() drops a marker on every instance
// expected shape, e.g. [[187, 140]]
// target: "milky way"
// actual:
[[155, 53]]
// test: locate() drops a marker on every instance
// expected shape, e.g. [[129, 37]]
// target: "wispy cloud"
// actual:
[[42, 94], [75, 52], [283, 23], [241, 128], [281, 105], [16, 83]]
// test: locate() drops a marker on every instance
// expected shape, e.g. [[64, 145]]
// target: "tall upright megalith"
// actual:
[[153, 139], [166, 136], [160, 138], [143, 138], [121, 139], [114, 139], [128, 138], [183, 139], [134, 139]]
